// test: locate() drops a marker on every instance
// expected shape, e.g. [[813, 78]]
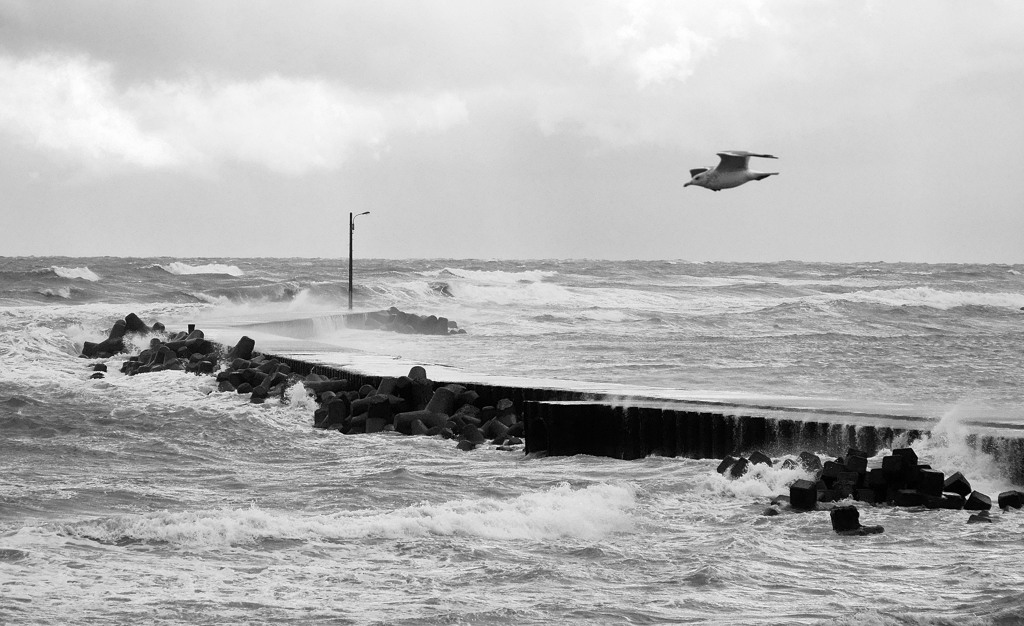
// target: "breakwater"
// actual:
[[564, 422]]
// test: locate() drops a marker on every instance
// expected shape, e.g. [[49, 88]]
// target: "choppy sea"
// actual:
[[155, 499]]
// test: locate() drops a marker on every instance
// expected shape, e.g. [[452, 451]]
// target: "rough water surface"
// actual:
[[154, 499]]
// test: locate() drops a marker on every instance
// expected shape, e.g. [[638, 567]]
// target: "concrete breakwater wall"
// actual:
[[564, 422]]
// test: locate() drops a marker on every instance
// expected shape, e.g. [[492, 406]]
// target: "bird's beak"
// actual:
[[688, 184]]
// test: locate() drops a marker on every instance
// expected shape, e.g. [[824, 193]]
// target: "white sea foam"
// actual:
[[62, 292], [759, 481], [183, 269], [589, 513], [497, 276], [929, 297], [83, 273]]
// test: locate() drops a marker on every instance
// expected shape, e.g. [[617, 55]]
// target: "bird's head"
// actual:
[[699, 180], [698, 176]]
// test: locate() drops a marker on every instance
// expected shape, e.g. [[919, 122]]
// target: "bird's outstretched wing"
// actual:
[[698, 170], [734, 160]]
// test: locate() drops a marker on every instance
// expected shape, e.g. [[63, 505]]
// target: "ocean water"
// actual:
[[155, 499]]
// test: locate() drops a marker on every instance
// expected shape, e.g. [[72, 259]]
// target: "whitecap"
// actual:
[[62, 292], [932, 298], [184, 269], [83, 273]]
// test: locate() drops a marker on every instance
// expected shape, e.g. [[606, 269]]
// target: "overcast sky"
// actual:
[[518, 129]]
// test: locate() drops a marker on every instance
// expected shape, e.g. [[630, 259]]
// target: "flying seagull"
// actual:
[[731, 171]]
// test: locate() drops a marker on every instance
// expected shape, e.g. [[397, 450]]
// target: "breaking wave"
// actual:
[[589, 513], [83, 273], [184, 269]]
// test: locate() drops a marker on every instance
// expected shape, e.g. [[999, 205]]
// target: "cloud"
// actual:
[[657, 42], [67, 105], [73, 106]]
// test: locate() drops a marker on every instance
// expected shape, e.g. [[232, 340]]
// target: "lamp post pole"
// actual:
[[351, 229]]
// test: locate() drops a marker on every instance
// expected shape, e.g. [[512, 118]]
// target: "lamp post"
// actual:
[[351, 229]]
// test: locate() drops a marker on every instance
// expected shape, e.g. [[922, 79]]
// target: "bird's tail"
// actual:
[[763, 175]]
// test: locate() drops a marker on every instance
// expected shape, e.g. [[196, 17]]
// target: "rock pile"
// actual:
[[189, 351], [248, 372], [414, 405], [402, 322], [411, 405], [900, 480], [114, 343]]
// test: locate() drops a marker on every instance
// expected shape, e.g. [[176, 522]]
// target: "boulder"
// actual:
[[443, 401], [494, 430], [466, 446], [803, 494], [856, 463], [379, 409], [908, 454], [978, 501], [930, 482], [134, 324], [243, 349], [950, 500], [319, 387], [982, 517], [827, 495], [505, 407], [845, 518], [472, 434], [846, 521], [810, 461], [417, 373], [957, 483], [338, 410], [375, 424], [846, 483], [760, 458], [469, 398], [739, 468], [419, 429], [387, 385], [119, 330], [830, 472], [865, 495], [895, 468], [726, 463], [419, 393], [403, 421], [909, 497], [1011, 500]]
